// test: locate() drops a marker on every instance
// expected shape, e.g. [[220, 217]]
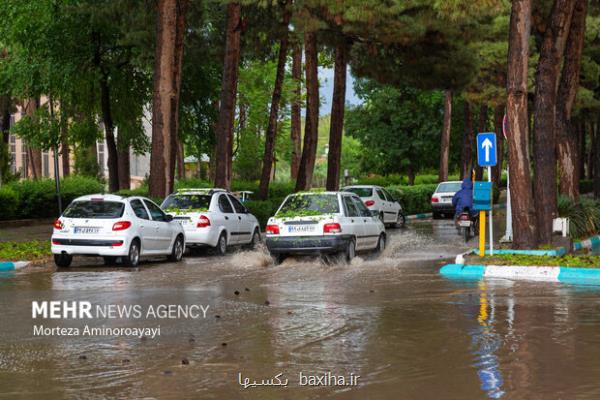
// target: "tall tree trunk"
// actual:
[[336, 129], [224, 132], [445, 142], [65, 151], [271, 134], [498, 122], [467, 147], [170, 33], [582, 146], [596, 152], [296, 134], [523, 211], [124, 163], [566, 139], [547, 75], [180, 159], [311, 126], [34, 155], [482, 127], [590, 157], [5, 104], [112, 160]]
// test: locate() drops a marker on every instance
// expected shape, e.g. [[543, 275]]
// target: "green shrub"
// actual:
[[262, 210], [141, 191], [74, 186], [414, 199], [9, 203], [584, 216], [586, 186]]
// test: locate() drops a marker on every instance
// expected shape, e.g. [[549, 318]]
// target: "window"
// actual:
[[195, 202], [13, 154], [155, 211], [139, 209], [225, 205], [239, 208], [448, 187], [45, 164], [351, 210], [310, 204], [24, 160], [388, 196], [101, 156], [380, 194], [361, 192], [364, 211], [96, 209]]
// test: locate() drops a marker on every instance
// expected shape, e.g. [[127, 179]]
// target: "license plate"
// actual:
[[84, 230], [301, 228], [464, 223]]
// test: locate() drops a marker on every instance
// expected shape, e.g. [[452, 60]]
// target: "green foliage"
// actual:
[[586, 186], [9, 202], [263, 210], [579, 261], [414, 199], [25, 251], [584, 216]]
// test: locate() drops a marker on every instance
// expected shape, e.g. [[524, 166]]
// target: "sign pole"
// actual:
[[491, 215], [481, 233]]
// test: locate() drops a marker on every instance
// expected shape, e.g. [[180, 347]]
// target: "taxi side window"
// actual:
[[139, 209], [225, 205], [351, 210]]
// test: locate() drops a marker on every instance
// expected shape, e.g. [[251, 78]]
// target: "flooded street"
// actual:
[[391, 320]]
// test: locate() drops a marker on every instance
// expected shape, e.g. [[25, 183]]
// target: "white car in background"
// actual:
[[441, 200], [213, 218], [115, 227], [326, 223], [380, 200]]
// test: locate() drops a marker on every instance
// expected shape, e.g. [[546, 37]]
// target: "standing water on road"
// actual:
[[388, 324]]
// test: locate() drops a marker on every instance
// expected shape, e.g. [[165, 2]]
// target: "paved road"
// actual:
[[393, 320]]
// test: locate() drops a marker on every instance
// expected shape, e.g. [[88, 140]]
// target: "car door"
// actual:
[[164, 232], [230, 221], [146, 226], [384, 207], [394, 205], [245, 232], [353, 223], [371, 225]]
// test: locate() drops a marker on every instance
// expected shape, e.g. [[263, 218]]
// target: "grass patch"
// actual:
[[579, 261], [25, 251]]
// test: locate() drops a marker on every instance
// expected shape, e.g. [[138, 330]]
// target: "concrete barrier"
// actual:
[[12, 265], [593, 242]]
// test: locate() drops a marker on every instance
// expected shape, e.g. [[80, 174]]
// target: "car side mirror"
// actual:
[[168, 218]]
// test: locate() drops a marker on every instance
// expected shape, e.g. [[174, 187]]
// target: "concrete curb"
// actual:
[[579, 276], [12, 265], [594, 241], [561, 251]]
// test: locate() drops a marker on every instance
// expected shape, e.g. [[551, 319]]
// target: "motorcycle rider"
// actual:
[[463, 199]]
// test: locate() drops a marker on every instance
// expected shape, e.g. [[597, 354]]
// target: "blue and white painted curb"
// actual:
[[579, 276], [592, 242], [561, 251], [12, 265]]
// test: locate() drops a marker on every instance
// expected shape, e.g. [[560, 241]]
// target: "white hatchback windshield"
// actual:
[[95, 209]]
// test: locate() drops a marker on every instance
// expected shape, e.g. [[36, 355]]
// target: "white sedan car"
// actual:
[[326, 223], [115, 227], [213, 218], [380, 200]]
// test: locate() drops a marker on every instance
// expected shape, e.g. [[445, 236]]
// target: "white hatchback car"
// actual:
[[441, 200], [380, 200], [214, 218], [115, 227], [324, 223]]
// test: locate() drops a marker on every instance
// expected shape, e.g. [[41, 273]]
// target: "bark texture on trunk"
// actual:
[[34, 155], [65, 151], [467, 148], [481, 127], [498, 119], [224, 149], [271, 134], [523, 211], [5, 118], [566, 138], [124, 163], [311, 126], [596, 158], [180, 159], [336, 129], [445, 141], [548, 69], [112, 160], [296, 134], [170, 33]]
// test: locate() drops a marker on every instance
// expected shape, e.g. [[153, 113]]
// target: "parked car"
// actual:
[[213, 218], [326, 223], [115, 227], [380, 200], [441, 200]]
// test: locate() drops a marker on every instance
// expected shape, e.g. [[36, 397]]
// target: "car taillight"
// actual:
[[117, 244], [435, 200], [369, 203], [121, 225], [55, 242], [203, 222], [332, 228], [272, 229], [58, 224]]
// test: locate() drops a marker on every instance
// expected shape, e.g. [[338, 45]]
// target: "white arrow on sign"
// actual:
[[487, 145]]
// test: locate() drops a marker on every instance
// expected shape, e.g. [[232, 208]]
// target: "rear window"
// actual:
[[95, 209], [309, 204], [361, 192], [199, 202], [448, 187]]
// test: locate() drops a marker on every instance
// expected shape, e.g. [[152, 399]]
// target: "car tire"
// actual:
[[221, 247], [132, 259], [63, 260], [279, 258], [400, 220], [255, 240], [109, 260], [436, 215], [381, 244], [177, 250], [349, 253]]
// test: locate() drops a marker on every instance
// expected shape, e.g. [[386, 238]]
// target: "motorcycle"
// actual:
[[467, 224]]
